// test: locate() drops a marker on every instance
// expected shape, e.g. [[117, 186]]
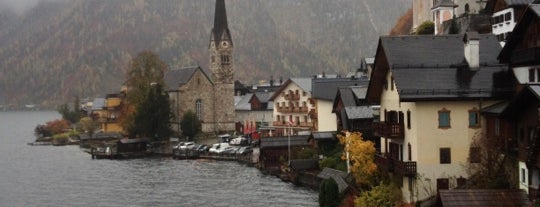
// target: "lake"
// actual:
[[67, 176]]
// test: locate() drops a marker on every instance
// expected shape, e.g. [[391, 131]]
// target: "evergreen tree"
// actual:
[[454, 27], [329, 193], [152, 116], [190, 124]]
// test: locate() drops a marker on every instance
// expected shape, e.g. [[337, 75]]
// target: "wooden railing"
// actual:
[[292, 97], [407, 168], [389, 130]]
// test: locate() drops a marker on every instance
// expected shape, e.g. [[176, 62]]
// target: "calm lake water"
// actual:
[[67, 176]]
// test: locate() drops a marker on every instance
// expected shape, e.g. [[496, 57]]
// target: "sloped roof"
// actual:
[[483, 197], [435, 51], [264, 96], [444, 3], [347, 96], [359, 112], [98, 104], [303, 83], [360, 92], [243, 104], [496, 108], [323, 135], [446, 82], [338, 176], [326, 88], [434, 67], [174, 78], [269, 142]]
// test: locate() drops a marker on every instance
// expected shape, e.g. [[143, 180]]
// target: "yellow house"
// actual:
[[431, 90], [107, 111]]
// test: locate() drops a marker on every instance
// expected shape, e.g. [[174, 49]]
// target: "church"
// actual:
[[211, 98]]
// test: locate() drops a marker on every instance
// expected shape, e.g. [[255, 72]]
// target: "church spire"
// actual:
[[221, 27]]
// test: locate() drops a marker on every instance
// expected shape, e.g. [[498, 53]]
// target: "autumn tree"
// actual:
[[404, 24], [148, 111], [360, 155], [144, 70], [87, 125], [382, 195]]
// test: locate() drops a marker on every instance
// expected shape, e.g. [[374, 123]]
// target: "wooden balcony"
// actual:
[[313, 114], [389, 130], [292, 97], [292, 109], [389, 165]]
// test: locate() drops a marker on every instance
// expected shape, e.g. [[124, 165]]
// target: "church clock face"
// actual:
[[224, 44]]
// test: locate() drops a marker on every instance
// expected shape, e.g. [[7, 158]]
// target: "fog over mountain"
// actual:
[[58, 49]]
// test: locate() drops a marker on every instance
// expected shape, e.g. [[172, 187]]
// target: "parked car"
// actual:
[[231, 150], [202, 148], [244, 150], [238, 141], [218, 148], [187, 145]]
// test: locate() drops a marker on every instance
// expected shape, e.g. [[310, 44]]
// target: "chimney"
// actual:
[[271, 81], [472, 50]]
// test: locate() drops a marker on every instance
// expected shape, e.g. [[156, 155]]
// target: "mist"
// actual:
[[20, 6]]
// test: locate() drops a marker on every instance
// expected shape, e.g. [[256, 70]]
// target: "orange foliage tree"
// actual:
[[57, 126], [360, 155]]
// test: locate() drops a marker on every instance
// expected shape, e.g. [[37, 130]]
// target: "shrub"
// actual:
[[329, 193], [426, 28], [307, 153], [380, 196]]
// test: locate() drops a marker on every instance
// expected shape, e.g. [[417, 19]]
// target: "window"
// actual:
[[531, 75], [473, 118], [444, 119], [408, 119], [474, 155], [305, 119], [508, 16], [523, 176], [225, 60], [409, 151], [278, 118], [198, 109], [445, 156]]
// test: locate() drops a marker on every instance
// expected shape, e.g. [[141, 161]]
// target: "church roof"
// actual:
[[174, 78]]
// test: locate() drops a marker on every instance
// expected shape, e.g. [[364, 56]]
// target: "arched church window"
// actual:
[[199, 109]]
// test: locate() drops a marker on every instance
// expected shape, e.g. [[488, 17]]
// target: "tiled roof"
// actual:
[[243, 104], [269, 142], [347, 96], [338, 176], [323, 135], [420, 83], [434, 67], [483, 197], [518, 2], [326, 88], [264, 96], [435, 51], [304, 83], [174, 78], [359, 112], [359, 91], [98, 104], [444, 3], [496, 108]]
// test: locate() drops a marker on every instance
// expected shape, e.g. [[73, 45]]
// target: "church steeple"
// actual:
[[220, 31], [221, 47]]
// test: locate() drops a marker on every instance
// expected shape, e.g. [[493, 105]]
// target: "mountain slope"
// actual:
[[59, 50]]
